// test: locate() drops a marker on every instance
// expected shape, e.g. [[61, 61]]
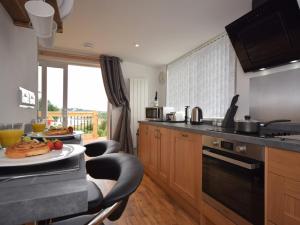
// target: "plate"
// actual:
[[68, 151], [42, 135]]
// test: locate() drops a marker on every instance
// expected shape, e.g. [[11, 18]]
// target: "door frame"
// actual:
[[44, 101], [64, 65]]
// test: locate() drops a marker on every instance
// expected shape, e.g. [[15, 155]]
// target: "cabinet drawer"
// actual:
[[284, 163]]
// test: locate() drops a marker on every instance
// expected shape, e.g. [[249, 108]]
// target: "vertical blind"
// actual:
[[204, 78]]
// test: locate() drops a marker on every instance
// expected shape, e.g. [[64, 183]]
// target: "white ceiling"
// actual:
[[165, 29]]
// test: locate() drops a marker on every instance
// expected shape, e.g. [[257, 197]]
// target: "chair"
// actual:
[[128, 173], [102, 147]]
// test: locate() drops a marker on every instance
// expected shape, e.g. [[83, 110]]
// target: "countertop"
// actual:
[[291, 145]]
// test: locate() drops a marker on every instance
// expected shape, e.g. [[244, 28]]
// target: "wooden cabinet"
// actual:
[[143, 151], [185, 166], [283, 187], [153, 149], [211, 216], [164, 151]]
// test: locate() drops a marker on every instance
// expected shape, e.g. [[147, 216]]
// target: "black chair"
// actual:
[[102, 147], [126, 170]]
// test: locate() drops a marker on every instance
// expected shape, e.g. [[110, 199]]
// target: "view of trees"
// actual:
[[102, 126]]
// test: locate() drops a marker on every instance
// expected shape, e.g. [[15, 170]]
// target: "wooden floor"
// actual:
[[149, 205]]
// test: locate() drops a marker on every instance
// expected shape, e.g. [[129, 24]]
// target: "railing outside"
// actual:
[[87, 122]]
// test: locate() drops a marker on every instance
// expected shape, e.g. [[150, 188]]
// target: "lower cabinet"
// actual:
[[211, 216], [185, 171], [173, 160], [283, 187]]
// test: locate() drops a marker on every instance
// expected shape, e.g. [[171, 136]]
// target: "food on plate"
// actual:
[[58, 145], [50, 145], [26, 149], [59, 131]]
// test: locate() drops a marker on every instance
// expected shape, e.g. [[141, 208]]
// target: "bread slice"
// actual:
[[26, 149]]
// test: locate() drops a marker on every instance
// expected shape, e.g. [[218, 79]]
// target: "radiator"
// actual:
[[138, 101]]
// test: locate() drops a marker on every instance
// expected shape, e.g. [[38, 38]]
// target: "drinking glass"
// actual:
[[11, 133], [38, 125]]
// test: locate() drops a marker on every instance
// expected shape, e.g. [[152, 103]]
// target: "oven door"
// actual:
[[236, 182]]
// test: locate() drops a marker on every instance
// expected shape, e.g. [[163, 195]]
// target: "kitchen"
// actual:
[[247, 172], [217, 125]]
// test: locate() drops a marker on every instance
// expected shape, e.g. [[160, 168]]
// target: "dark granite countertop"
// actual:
[[209, 130]]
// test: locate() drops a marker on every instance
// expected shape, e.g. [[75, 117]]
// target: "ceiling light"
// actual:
[[41, 17], [137, 45], [294, 61], [262, 69], [88, 45]]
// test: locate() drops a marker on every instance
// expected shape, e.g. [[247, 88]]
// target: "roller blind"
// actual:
[[204, 78]]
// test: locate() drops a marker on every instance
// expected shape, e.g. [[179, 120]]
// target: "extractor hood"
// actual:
[[268, 36]]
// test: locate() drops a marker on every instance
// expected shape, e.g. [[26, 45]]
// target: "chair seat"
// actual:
[[95, 196]]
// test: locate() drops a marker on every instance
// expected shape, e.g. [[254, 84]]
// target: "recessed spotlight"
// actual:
[[262, 69], [294, 61], [136, 45], [88, 45]]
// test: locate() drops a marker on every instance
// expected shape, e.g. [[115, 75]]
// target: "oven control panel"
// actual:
[[240, 148]]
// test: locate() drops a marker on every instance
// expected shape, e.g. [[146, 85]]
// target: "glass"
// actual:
[[85, 84], [55, 80], [11, 133], [40, 91], [38, 125]]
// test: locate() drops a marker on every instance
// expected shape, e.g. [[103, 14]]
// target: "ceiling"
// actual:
[[165, 29]]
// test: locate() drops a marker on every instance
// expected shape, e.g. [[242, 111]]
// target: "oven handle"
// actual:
[[231, 161]]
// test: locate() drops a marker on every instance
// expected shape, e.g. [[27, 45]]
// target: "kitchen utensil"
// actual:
[[252, 126], [196, 116], [228, 121], [186, 116]]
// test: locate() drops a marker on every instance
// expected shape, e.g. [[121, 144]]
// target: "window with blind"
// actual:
[[204, 78]]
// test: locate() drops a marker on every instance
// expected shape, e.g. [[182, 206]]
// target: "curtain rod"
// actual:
[[210, 41]]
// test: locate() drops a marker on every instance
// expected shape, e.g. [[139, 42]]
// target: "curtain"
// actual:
[[204, 78], [118, 96]]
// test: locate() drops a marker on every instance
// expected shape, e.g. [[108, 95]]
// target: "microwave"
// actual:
[[157, 113]]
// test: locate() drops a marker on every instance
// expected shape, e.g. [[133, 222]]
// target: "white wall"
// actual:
[[18, 67], [134, 70]]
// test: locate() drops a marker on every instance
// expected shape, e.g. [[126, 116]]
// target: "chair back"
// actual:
[[125, 169]]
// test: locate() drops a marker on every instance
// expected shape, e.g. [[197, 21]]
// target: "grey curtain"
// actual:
[[118, 96]]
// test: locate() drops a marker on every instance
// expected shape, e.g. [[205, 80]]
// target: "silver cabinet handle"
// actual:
[[231, 161]]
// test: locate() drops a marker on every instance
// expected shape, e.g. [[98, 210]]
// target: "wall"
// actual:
[[18, 67], [134, 70], [287, 74]]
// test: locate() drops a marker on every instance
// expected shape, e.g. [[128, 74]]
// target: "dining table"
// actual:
[[42, 187]]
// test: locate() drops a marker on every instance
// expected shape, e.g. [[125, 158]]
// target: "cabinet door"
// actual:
[[283, 187], [283, 200], [144, 144], [153, 149], [185, 170], [164, 150]]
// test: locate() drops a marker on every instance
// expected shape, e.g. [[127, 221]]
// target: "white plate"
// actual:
[[42, 135], [68, 151]]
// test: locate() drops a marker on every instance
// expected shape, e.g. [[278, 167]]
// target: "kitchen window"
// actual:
[[205, 78]]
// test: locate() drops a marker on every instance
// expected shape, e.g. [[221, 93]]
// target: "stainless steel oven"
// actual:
[[233, 175]]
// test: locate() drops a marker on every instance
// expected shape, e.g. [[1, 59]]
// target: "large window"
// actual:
[[73, 95], [204, 78]]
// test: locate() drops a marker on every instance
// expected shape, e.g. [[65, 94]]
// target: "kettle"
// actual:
[[196, 116]]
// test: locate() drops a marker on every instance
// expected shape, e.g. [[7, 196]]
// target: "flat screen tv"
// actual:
[[268, 36]]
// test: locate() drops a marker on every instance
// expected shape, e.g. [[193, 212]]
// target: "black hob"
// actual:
[[272, 130]]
